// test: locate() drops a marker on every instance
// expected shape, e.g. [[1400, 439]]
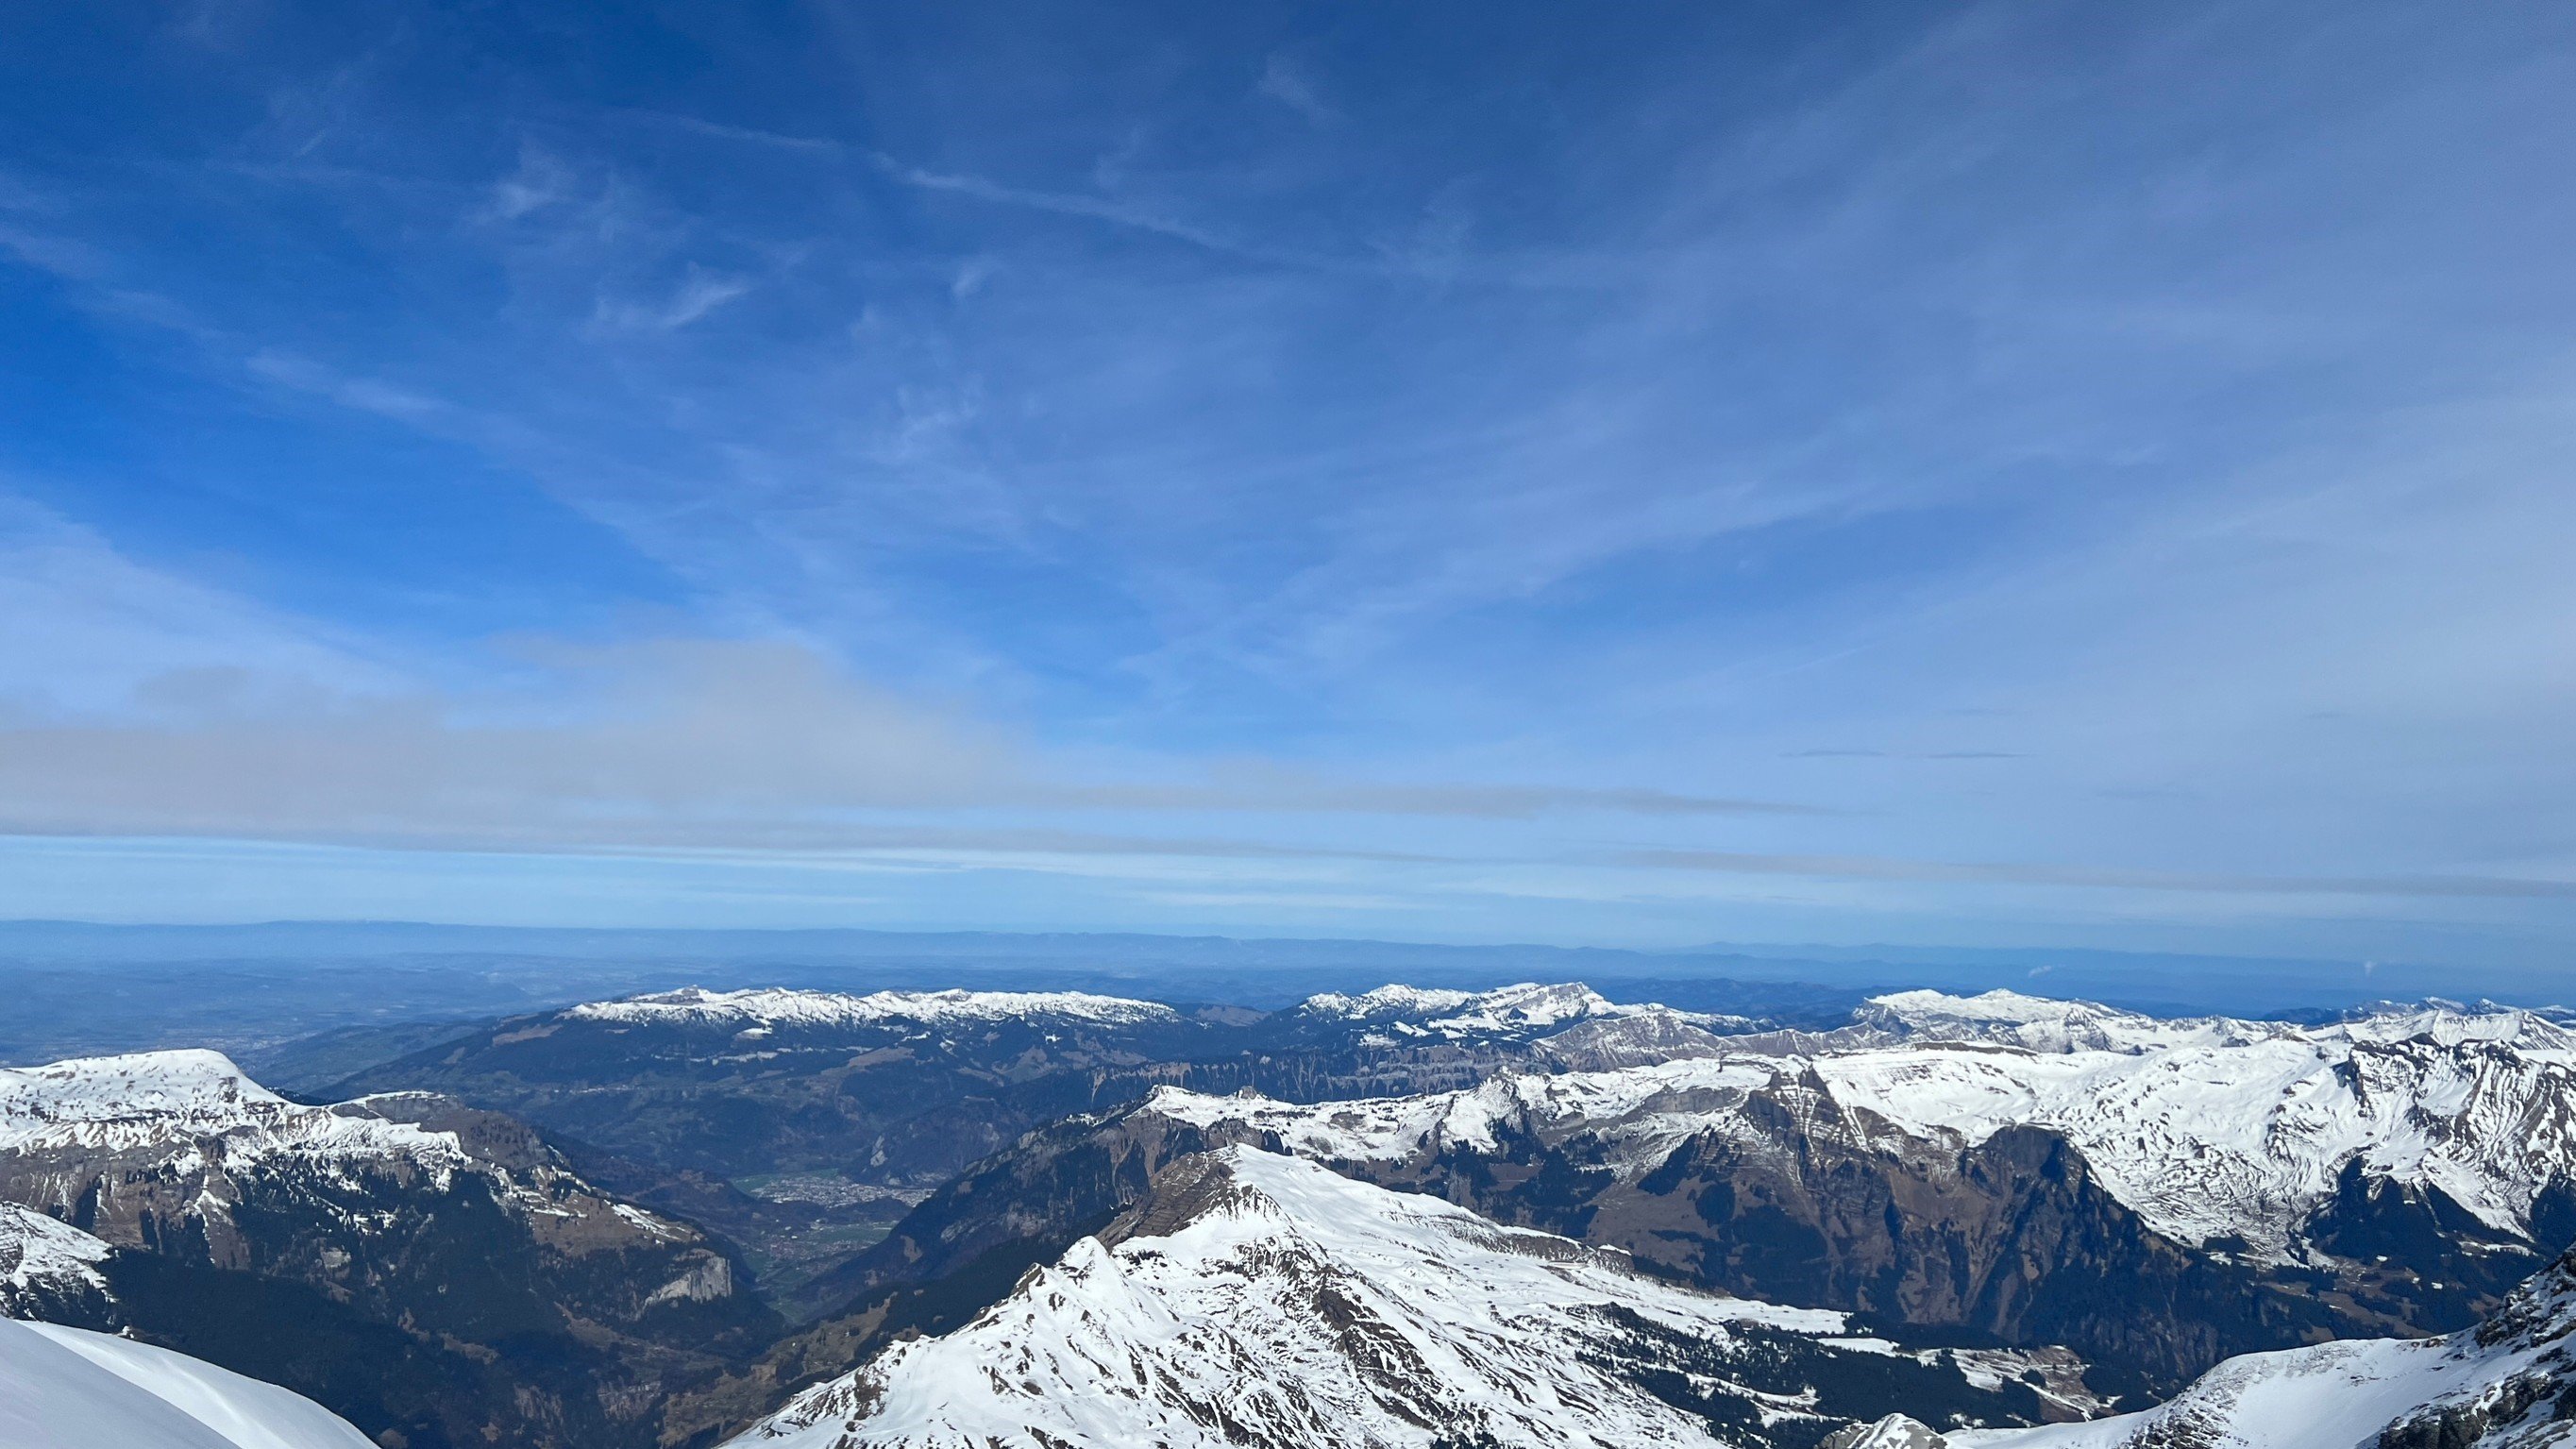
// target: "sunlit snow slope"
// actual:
[[64, 1388]]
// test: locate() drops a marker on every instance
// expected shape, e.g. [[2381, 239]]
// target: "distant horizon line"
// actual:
[[1833, 954]]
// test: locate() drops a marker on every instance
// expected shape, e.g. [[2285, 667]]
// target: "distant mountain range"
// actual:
[[247, 988], [1411, 1215]]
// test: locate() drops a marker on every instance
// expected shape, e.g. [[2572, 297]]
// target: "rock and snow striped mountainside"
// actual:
[[2209, 1129], [66, 1388], [1257, 1301]]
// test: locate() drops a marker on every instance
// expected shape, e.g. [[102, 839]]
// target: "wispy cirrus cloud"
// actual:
[[699, 293], [2123, 444]]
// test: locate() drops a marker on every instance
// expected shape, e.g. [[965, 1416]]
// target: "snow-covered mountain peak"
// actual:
[[179, 1084], [1393, 999], [1257, 1301], [1998, 1005], [1524, 1006], [1529, 1005], [2039, 1023], [175, 1098], [2449, 1024], [1241, 1194], [782, 1006], [1528, 1009]]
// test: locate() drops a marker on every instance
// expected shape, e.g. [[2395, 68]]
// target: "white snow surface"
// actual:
[[1168, 1340], [2205, 1127], [65, 1388], [780, 1006], [35, 1250]]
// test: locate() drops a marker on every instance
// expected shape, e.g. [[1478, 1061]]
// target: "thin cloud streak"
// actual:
[[1879, 868]]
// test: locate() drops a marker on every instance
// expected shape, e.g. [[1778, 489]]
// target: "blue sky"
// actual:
[[2013, 474]]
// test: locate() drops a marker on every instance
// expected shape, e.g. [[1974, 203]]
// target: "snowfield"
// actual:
[[65, 1388]]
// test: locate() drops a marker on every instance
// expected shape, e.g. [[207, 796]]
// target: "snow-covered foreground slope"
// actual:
[[2208, 1129], [64, 1388], [1258, 1300], [2509, 1384]]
